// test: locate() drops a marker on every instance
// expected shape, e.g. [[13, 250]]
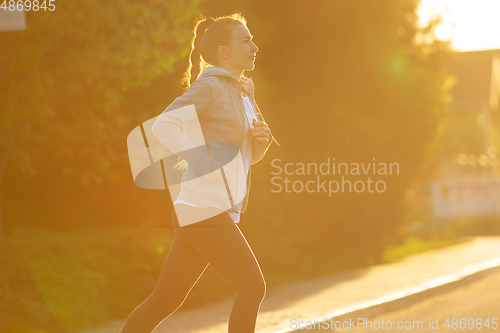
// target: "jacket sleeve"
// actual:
[[168, 126]]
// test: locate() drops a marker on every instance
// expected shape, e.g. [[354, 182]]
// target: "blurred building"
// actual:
[[470, 144], [467, 182]]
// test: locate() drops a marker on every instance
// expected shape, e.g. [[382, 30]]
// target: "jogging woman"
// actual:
[[219, 132]]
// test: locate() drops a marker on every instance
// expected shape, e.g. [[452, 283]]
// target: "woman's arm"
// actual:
[[185, 108]]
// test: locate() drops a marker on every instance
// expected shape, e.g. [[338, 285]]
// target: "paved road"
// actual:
[[475, 302]]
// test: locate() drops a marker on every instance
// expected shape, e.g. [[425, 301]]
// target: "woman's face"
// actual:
[[241, 52]]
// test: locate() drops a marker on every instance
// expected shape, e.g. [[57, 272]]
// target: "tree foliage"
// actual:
[[64, 79], [358, 81]]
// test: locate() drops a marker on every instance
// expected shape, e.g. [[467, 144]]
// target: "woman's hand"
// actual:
[[261, 132]]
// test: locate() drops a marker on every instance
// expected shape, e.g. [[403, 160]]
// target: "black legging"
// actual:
[[219, 242]]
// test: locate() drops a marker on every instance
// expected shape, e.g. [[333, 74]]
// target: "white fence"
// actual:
[[466, 197]]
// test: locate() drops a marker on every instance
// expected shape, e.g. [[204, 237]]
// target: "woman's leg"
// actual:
[[217, 241], [181, 270], [221, 243]]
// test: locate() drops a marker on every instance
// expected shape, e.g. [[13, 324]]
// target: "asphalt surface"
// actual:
[[471, 308]]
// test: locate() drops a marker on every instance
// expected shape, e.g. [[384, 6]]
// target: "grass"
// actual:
[[81, 278], [414, 245]]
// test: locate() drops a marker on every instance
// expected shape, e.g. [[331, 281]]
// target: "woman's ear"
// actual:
[[223, 52]]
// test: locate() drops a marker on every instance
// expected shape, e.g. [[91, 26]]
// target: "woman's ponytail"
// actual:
[[195, 56]]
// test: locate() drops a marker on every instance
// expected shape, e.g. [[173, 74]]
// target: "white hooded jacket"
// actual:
[[206, 127]]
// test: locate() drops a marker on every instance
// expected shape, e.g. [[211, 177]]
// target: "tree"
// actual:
[[64, 76], [61, 81]]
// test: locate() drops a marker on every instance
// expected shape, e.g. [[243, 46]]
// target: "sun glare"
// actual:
[[469, 24]]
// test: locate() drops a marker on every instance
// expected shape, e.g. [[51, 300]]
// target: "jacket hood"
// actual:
[[236, 84], [243, 84]]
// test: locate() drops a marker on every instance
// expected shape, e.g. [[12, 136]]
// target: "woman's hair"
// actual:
[[208, 36]]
